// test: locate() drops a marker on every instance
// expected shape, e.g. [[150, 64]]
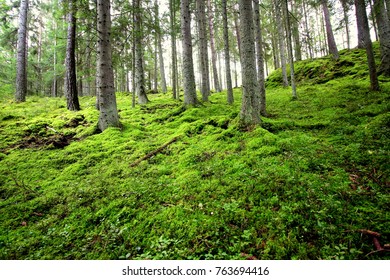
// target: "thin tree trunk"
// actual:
[[21, 65], [374, 24], [361, 13], [203, 50], [295, 34], [308, 37], [160, 51], [71, 92], [237, 28], [105, 75], [329, 32], [212, 46], [281, 36], [230, 97], [188, 64], [290, 50], [172, 10], [139, 56], [384, 36], [345, 5], [250, 109], [259, 57]]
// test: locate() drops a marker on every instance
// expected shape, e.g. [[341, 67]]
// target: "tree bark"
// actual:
[[212, 46], [295, 34], [384, 36], [203, 50], [187, 64], [105, 74], [259, 57], [172, 10], [139, 56], [329, 31], [281, 36], [71, 91], [21, 64], [250, 109], [346, 6], [361, 13], [230, 97], [160, 52], [290, 50]]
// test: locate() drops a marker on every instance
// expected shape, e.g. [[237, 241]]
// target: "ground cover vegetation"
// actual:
[[175, 183]]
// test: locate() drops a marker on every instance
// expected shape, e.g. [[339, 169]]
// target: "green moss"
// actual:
[[298, 187]]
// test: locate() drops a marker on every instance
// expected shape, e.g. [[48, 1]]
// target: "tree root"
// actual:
[[155, 152]]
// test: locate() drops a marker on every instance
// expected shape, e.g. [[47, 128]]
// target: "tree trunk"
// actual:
[[160, 52], [259, 57], [105, 74], [203, 50], [21, 64], [71, 92], [230, 97], [388, 8], [345, 4], [295, 34], [188, 64], [308, 37], [281, 36], [374, 23], [250, 109], [329, 31], [384, 36], [212, 46], [139, 56], [237, 28], [290, 50], [361, 13], [172, 10]]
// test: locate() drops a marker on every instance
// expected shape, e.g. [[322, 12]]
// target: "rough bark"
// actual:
[[172, 10], [212, 47], [203, 50], [230, 97], [187, 64], [71, 91], [160, 51], [388, 8], [250, 109], [21, 64], [259, 57], [329, 31], [384, 36], [361, 13], [281, 42], [105, 74], [139, 55], [290, 50]]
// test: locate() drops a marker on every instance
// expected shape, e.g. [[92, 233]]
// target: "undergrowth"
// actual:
[[300, 186]]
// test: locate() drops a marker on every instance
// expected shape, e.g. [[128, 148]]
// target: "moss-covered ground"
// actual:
[[301, 186]]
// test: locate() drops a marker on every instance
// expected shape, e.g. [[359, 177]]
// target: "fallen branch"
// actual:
[[155, 152]]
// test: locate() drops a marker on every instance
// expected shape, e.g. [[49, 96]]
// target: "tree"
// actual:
[[250, 107], [203, 50], [346, 7], [21, 65], [361, 14], [281, 35], [230, 97], [105, 74], [70, 61], [329, 31], [188, 64], [259, 57], [384, 36], [212, 46], [172, 9], [290, 49], [160, 50], [139, 56]]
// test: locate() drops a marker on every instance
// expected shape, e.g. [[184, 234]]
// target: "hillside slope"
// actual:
[[302, 186]]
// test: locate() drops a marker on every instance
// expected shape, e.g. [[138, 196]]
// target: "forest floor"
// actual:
[[310, 183]]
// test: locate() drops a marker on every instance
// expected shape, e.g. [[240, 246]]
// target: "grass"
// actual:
[[301, 186]]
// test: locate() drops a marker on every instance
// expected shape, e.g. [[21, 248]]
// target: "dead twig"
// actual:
[[155, 152]]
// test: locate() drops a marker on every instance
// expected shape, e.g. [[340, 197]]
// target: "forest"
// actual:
[[194, 129]]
